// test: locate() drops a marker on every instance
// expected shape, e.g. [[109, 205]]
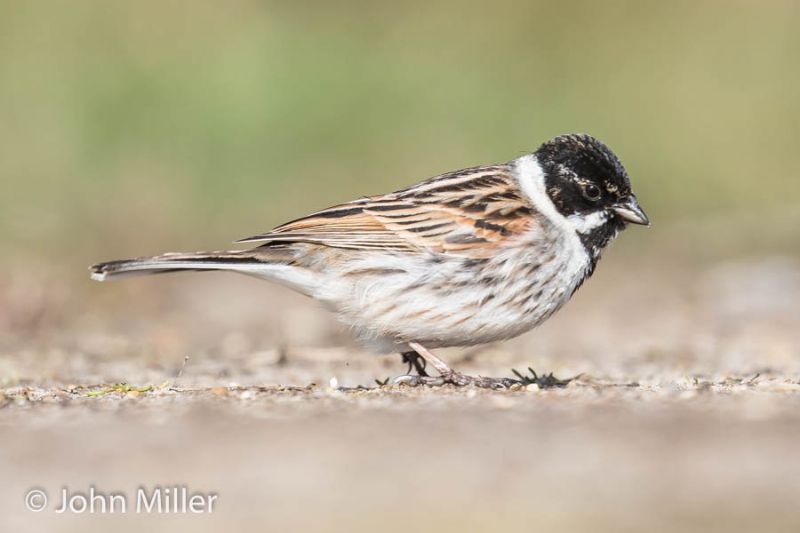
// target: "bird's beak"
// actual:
[[629, 210]]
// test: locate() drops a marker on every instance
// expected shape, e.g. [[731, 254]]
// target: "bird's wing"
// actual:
[[469, 212]]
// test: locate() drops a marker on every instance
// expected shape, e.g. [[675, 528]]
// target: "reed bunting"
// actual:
[[468, 257]]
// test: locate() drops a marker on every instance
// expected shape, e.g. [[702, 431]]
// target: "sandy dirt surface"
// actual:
[[683, 414]]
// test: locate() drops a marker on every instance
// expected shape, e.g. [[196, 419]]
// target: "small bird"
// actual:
[[467, 257]]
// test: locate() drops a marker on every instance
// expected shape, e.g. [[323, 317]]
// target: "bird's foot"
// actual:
[[457, 379], [418, 357], [451, 377], [493, 383], [416, 381]]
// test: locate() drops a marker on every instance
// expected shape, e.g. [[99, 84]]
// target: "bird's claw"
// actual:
[[457, 379], [545, 381], [416, 381]]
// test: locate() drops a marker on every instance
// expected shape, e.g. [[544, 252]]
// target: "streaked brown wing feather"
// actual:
[[467, 212]]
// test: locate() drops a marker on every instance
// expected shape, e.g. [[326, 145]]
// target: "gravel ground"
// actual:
[[683, 414]]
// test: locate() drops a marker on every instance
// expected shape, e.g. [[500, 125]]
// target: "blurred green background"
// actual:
[[129, 128]]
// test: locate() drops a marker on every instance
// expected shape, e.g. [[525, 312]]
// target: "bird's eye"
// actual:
[[591, 192]]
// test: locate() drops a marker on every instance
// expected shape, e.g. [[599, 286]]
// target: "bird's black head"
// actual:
[[588, 185]]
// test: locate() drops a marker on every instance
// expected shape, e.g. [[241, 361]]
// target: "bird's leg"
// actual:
[[415, 361], [446, 374], [413, 358], [437, 363]]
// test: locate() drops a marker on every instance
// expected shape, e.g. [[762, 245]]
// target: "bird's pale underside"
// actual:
[[464, 258]]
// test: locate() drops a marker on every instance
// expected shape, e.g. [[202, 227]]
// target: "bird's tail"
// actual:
[[244, 261]]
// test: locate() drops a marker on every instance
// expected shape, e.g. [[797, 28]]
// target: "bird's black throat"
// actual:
[[597, 239]]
